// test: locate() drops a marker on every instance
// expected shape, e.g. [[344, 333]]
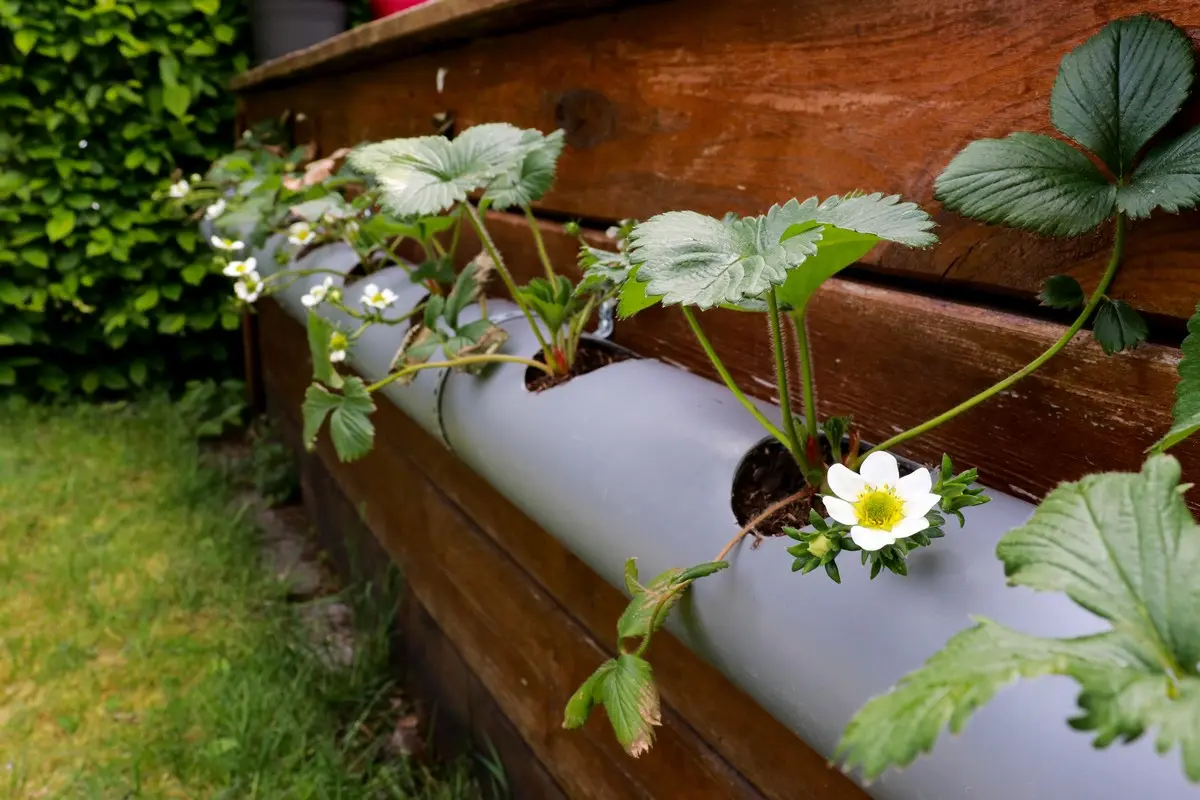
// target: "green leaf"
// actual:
[[533, 172], [147, 300], [320, 331], [666, 588], [14, 330], [895, 728], [428, 174], [350, 425], [878, 215], [553, 303], [60, 224], [25, 39], [36, 257], [1121, 86], [1118, 327], [176, 99], [693, 259], [1061, 291], [625, 687], [8, 375], [138, 372], [464, 292], [633, 297], [849, 228], [1029, 181], [1168, 178], [168, 69], [1122, 546], [1186, 413], [836, 250], [172, 323], [588, 695]]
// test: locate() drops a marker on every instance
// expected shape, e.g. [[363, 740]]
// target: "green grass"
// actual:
[[143, 653]]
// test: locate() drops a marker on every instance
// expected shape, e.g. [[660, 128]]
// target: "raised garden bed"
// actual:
[[639, 457]]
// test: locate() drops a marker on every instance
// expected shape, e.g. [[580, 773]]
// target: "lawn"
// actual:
[[143, 650]]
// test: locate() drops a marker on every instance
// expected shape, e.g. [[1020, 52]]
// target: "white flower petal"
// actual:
[[920, 505], [337, 355], [909, 525], [327, 282], [880, 468], [308, 301], [915, 485], [846, 483], [840, 510], [871, 539]]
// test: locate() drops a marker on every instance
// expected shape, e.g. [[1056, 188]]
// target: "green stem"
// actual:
[[372, 318], [391, 251], [457, 230], [800, 323], [490, 247], [741, 534], [662, 603], [575, 328], [781, 379], [729, 382], [1114, 262], [541, 246], [458, 362]]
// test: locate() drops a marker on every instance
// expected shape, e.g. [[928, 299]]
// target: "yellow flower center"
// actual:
[[879, 508]]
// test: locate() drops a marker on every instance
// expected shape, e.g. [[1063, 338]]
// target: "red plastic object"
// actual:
[[385, 8]]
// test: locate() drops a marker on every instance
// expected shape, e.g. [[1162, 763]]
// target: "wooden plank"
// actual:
[[434, 22], [719, 106], [451, 700], [769, 755]]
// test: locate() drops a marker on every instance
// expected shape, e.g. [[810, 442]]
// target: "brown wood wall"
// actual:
[[718, 105]]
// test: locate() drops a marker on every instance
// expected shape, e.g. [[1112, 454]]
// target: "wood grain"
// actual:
[[434, 22], [719, 106], [459, 714], [768, 755]]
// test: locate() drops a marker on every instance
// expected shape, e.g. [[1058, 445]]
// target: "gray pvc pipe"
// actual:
[[637, 459]]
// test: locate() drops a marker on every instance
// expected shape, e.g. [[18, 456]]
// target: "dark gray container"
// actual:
[[281, 26]]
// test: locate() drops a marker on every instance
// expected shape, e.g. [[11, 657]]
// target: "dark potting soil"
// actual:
[[591, 356], [767, 475]]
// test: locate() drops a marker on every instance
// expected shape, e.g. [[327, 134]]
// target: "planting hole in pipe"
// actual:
[[593, 354], [768, 474]]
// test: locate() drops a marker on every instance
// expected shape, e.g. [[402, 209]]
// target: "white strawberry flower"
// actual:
[[300, 233], [241, 269], [879, 505], [376, 298], [317, 293], [179, 189], [216, 209], [248, 288], [228, 245], [337, 347]]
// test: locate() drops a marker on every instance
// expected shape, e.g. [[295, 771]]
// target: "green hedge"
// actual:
[[103, 286]]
